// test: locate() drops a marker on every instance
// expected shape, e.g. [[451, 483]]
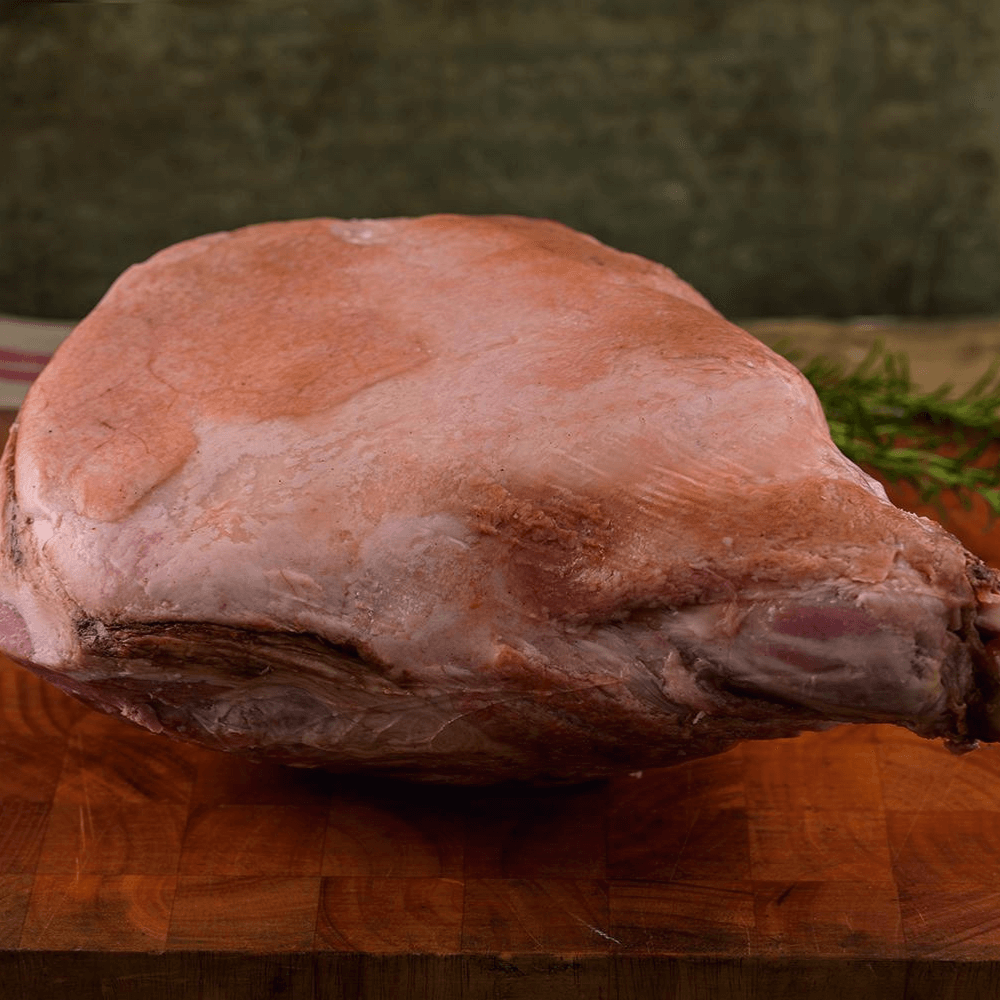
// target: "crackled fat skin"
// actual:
[[463, 499]]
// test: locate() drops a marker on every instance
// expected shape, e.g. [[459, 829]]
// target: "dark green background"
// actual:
[[786, 156]]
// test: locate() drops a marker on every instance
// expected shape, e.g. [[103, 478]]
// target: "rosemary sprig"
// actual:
[[880, 419]]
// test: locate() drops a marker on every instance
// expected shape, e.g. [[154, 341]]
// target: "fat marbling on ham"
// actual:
[[463, 499]]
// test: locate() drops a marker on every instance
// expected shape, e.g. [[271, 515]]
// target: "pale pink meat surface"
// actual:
[[465, 499]]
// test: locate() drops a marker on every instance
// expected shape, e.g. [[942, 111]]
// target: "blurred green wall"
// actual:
[[786, 156]]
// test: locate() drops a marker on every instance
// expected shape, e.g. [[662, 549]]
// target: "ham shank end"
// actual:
[[464, 499]]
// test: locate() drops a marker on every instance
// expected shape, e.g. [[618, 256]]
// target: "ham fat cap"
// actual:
[[465, 499]]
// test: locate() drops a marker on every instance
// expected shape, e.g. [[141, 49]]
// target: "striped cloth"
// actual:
[[25, 347]]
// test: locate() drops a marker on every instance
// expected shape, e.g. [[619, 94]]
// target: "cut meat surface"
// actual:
[[464, 499]]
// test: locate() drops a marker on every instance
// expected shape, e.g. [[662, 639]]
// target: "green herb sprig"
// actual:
[[880, 419]]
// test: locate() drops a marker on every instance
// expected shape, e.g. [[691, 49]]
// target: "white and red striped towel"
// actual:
[[25, 347]]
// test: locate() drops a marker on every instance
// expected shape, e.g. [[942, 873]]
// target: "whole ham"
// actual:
[[464, 499]]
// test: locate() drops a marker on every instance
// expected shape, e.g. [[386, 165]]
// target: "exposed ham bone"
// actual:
[[464, 499]]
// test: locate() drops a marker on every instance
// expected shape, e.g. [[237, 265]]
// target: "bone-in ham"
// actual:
[[464, 499]]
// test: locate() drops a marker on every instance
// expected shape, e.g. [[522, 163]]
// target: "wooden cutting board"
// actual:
[[861, 862]]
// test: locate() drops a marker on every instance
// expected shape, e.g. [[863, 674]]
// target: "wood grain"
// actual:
[[957, 921], [827, 918], [244, 913], [916, 775], [112, 838], [230, 839], [810, 846], [98, 912], [399, 915], [15, 895], [536, 916], [825, 772], [22, 827], [684, 917]]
